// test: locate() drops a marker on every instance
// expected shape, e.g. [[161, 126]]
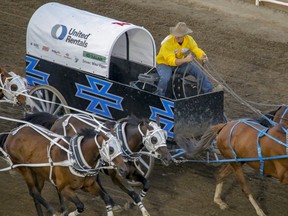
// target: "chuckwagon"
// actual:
[[100, 65]]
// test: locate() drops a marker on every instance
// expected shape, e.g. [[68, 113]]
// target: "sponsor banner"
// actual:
[[85, 41]]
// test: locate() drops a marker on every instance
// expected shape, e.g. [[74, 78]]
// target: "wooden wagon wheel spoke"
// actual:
[[51, 100]]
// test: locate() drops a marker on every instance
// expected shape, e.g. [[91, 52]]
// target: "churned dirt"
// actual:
[[248, 50]]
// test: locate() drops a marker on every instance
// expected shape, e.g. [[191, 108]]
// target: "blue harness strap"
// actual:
[[283, 115], [261, 133]]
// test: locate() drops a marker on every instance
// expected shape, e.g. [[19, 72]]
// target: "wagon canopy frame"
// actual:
[[86, 41]]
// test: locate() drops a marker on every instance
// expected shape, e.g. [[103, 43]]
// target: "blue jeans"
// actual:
[[165, 73]]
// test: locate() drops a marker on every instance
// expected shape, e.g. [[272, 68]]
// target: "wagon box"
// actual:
[[91, 63]]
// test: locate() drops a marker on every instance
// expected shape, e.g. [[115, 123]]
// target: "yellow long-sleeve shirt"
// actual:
[[170, 50]]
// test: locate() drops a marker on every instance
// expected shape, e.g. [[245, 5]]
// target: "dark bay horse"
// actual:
[[13, 89], [135, 135], [246, 141], [41, 155]]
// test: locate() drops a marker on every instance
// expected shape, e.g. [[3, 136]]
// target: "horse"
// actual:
[[69, 163], [13, 89], [280, 115], [246, 141], [135, 135]]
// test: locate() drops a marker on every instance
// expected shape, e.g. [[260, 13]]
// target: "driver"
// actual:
[[175, 51]]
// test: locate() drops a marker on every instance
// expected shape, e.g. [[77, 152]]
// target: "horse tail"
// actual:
[[207, 138], [44, 119], [3, 138]]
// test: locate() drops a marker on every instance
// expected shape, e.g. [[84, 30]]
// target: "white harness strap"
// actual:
[[55, 140]]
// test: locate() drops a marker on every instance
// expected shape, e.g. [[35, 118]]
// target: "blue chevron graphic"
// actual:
[[166, 116], [41, 79], [99, 105]]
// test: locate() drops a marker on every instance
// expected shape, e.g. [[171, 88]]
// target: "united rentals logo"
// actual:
[[59, 32], [73, 36]]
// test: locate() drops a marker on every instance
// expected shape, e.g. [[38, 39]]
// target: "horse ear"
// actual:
[[4, 71], [112, 130], [158, 120], [103, 135], [16, 70]]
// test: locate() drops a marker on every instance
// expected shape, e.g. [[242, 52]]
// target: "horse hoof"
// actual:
[[117, 208], [128, 205], [223, 206]]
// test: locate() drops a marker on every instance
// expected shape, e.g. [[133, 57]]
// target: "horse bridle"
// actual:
[[109, 149], [154, 139], [9, 94]]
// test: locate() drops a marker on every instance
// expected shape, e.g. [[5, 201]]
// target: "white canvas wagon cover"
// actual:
[[86, 41]]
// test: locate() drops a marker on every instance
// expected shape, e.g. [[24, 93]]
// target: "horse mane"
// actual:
[[40, 118], [264, 120], [133, 120], [87, 133], [3, 138], [110, 124]]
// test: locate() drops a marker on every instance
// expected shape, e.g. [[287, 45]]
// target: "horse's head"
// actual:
[[13, 88], [154, 139], [111, 153], [281, 115]]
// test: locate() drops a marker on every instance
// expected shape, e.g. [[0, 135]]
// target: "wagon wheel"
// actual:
[[145, 165], [51, 100]]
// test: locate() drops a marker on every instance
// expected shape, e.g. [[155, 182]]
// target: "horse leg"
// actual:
[[145, 182], [124, 185], [109, 202], [223, 173], [70, 195], [241, 179], [63, 207], [35, 187]]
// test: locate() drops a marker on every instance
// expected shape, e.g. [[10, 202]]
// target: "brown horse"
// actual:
[[134, 133], [13, 89], [40, 155], [246, 141], [281, 115]]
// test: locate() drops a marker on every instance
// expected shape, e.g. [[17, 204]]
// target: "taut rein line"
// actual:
[[86, 119], [53, 141]]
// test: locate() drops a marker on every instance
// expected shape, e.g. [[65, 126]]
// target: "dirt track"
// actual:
[[247, 46]]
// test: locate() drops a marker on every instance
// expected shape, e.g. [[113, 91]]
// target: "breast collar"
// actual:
[[80, 167], [121, 135]]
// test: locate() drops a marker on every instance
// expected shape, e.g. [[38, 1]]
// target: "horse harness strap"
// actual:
[[128, 154], [261, 133], [79, 166]]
